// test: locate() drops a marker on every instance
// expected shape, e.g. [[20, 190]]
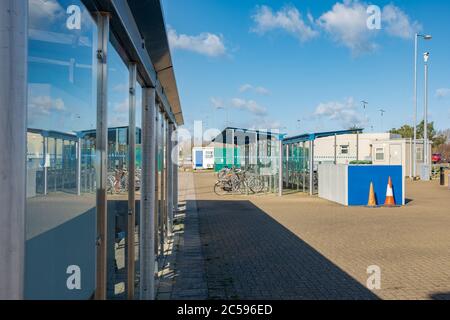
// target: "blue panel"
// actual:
[[359, 178], [198, 159]]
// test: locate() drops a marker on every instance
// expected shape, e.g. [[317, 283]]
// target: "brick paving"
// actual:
[[298, 247], [183, 272]]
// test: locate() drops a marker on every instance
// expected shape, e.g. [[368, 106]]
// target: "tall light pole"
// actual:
[[426, 56], [416, 38]]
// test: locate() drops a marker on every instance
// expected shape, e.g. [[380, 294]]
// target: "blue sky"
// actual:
[[268, 64]]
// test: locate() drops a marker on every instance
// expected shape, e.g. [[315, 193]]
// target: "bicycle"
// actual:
[[238, 181]]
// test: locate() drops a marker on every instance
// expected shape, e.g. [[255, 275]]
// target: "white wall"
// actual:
[[324, 147], [333, 183]]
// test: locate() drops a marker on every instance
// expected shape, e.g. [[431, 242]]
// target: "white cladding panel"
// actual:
[[333, 183]]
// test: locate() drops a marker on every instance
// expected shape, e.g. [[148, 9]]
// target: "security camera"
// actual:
[[426, 56]]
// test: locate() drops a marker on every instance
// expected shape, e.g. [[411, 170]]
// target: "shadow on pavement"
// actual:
[[249, 255], [441, 296]]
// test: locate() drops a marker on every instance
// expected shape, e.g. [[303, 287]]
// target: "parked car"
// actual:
[[436, 158]]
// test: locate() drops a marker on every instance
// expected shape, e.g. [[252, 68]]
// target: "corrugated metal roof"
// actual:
[[316, 135]]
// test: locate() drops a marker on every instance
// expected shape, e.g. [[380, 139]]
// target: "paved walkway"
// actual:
[[183, 275], [298, 247]]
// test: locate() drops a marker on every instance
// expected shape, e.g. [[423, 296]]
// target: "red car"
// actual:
[[436, 158]]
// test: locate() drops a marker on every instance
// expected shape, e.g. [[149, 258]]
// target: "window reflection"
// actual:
[[60, 158]]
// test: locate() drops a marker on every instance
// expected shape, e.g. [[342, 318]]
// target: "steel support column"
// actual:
[[287, 165], [162, 186], [175, 172], [147, 216], [335, 148], [13, 128], [131, 221], [311, 167], [170, 170], [44, 161], [357, 146], [78, 170], [280, 169], [102, 153]]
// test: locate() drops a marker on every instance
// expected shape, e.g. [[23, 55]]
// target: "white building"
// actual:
[[379, 148], [202, 158]]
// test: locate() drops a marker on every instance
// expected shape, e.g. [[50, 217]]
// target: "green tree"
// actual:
[[407, 132]]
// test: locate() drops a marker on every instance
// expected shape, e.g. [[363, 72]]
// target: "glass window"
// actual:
[[419, 153], [209, 154], [60, 230], [344, 149], [379, 154]]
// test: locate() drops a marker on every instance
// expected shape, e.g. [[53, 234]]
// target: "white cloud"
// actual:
[[122, 107], [398, 24], [288, 19], [205, 43], [248, 87], [442, 92], [217, 103], [121, 87], [245, 88], [346, 22], [343, 112], [44, 105], [249, 105], [44, 11]]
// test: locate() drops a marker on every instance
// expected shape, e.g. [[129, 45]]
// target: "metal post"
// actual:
[[298, 165], [414, 160], [287, 166], [162, 206], [44, 161], [148, 181], [410, 157], [170, 170], [357, 146], [232, 148], [78, 158], [280, 170], [13, 139], [157, 178], [304, 167], [175, 174], [335, 149], [102, 153], [131, 221], [425, 126], [311, 167]]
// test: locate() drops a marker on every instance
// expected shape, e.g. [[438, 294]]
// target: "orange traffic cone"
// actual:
[[390, 201], [372, 200]]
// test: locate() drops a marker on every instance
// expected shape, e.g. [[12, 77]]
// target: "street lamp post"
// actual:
[[426, 56], [416, 37]]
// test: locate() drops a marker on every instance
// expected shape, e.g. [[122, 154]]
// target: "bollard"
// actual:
[[442, 176]]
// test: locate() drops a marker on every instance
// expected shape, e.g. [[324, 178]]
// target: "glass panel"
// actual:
[[118, 126], [138, 153], [61, 106]]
